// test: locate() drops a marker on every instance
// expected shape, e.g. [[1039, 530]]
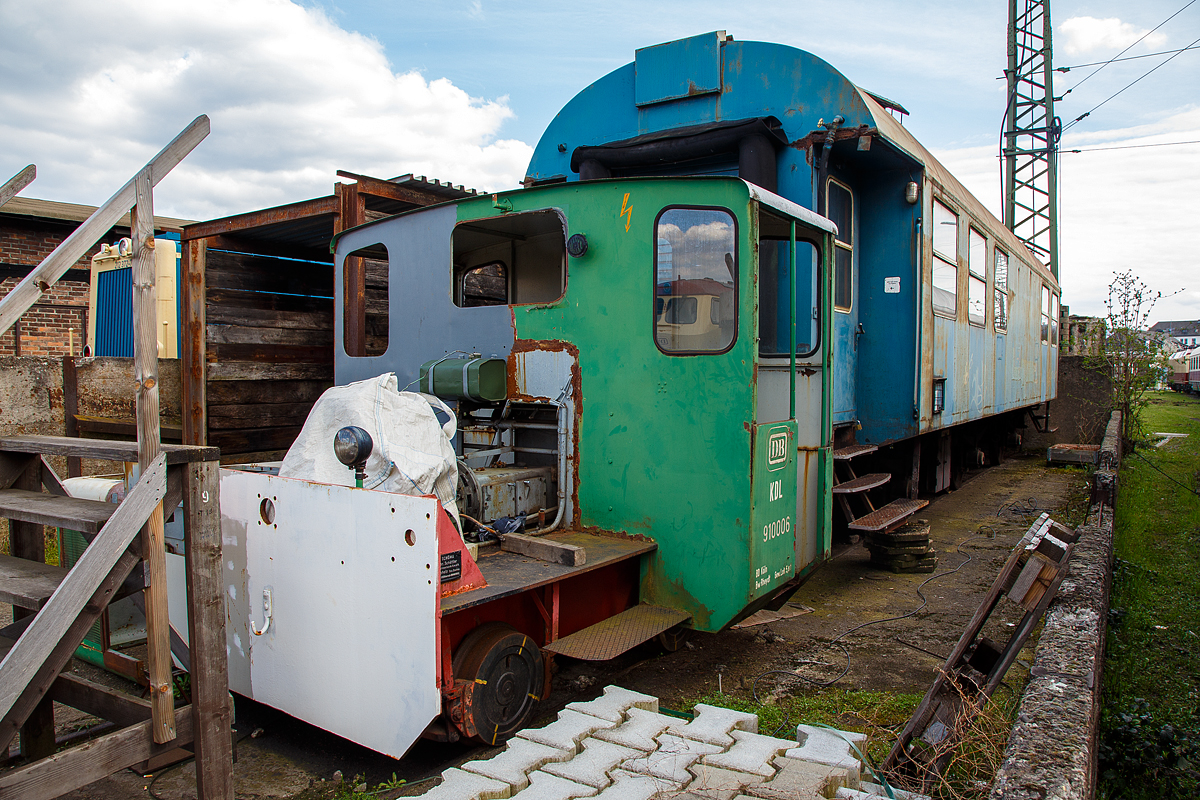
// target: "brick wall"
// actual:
[[57, 324]]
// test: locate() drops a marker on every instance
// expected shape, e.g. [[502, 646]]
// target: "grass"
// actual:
[[1150, 725]]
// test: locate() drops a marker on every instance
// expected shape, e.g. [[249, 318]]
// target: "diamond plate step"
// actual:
[[616, 635], [889, 516], [862, 484], [852, 451]]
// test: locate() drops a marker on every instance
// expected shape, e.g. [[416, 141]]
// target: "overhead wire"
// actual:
[[1128, 146], [1088, 113], [1115, 60], [1130, 47]]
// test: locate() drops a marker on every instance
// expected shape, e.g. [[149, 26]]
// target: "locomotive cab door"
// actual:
[[792, 456]]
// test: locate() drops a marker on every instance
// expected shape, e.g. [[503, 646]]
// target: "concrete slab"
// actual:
[[639, 730], [516, 762], [614, 703], [591, 767], [824, 746], [567, 731], [713, 724], [544, 786], [458, 784], [801, 780], [672, 759], [630, 786]]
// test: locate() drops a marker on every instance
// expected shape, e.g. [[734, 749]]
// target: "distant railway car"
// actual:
[[731, 280], [1184, 366]]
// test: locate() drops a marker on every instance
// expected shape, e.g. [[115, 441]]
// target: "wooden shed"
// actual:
[[258, 311]]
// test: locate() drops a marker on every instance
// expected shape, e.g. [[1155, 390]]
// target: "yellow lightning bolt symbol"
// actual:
[[626, 211]]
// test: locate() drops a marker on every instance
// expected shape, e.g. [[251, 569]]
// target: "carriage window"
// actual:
[[945, 259], [839, 203], [509, 259], [977, 280], [1054, 319], [774, 273], [1045, 313], [695, 283], [1000, 305], [372, 263]]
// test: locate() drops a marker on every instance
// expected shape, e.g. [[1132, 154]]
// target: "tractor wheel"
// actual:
[[509, 675]]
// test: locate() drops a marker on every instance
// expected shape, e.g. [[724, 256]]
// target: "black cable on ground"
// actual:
[[837, 640], [1186, 488]]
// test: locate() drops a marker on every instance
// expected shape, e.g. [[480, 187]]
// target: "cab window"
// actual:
[[509, 259], [695, 280], [774, 304]]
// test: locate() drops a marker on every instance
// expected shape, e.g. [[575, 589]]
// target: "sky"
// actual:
[[461, 90]]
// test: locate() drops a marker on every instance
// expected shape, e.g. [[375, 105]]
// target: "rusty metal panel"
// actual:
[[616, 635], [682, 68]]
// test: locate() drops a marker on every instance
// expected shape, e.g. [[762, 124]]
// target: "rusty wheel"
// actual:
[[508, 672]]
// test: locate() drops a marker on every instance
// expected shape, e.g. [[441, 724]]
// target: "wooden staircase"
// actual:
[[849, 486], [54, 608]]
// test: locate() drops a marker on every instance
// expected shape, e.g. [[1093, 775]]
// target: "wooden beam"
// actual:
[[393, 191], [98, 700], [145, 375], [70, 379], [354, 297], [106, 426], [13, 466], [212, 714], [101, 449], [195, 425], [35, 646], [75, 246], [16, 183], [259, 219], [62, 650], [544, 549], [72, 769]]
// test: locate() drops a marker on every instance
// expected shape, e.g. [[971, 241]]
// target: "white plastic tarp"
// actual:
[[412, 451]]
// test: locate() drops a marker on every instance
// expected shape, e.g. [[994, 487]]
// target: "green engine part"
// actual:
[[484, 380]]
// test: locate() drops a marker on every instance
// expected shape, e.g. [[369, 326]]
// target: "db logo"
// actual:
[[777, 449]]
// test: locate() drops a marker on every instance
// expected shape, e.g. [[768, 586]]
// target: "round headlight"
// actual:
[[352, 445]]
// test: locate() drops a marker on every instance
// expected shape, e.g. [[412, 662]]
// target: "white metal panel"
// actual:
[[351, 645]]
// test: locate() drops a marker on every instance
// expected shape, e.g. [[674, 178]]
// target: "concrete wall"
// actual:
[[1052, 749], [1082, 408], [31, 393]]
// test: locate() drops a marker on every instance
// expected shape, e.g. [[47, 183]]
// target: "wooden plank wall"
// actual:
[[269, 349]]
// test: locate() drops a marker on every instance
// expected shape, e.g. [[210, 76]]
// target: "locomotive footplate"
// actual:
[[512, 573]]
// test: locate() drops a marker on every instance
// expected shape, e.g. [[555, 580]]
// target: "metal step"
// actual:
[[862, 483], [85, 516], [890, 516], [28, 584], [618, 634], [852, 451]]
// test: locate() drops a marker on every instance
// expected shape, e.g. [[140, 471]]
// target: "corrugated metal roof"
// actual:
[[72, 212]]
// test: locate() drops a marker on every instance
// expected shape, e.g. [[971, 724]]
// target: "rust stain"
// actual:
[[593, 530], [515, 381]]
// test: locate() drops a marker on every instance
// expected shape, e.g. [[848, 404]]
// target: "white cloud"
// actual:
[[1119, 209], [1089, 34], [90, 91]]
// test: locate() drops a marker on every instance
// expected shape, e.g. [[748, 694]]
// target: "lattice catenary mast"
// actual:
[[1031, 132]]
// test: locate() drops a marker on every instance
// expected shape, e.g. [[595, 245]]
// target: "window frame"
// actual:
[[837, 242], [1000, 323], [973, 276], [737, 273], [818, 300], [457, 276], [938, 256], [1045, 313]]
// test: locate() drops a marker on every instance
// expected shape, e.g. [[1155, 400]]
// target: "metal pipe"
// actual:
[[792, 306], [564, 459]]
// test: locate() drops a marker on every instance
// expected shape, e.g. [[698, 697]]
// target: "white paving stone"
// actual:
[[459, 785], [638, 731], [751, 752], [631, 786], [544, 786], [823, 746], [803, 779], [871, 791], [712, 725], [516, 762], [567, 731], [591, 767], [672, 759], [614, 703], [712, 779]]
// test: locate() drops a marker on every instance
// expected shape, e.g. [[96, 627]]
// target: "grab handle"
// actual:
[[268, 610]]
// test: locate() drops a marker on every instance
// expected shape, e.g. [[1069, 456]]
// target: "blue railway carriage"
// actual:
[[945, 330]]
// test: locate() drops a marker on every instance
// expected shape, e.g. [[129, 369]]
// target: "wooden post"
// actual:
[[27, 540], [195, 339], [212, 715], [352, 212], [70, 379], [145, 372]]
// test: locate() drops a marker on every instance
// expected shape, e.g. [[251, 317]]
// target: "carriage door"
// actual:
[[847, 328]]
